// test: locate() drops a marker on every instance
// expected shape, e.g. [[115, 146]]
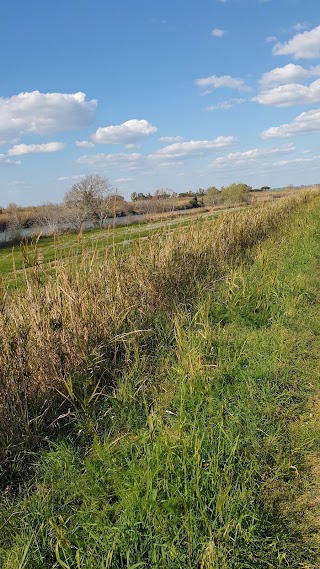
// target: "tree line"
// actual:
[[93, 200]]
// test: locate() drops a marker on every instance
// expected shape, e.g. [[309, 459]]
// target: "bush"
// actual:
[[213, 196], [194, 202], [236, 193]]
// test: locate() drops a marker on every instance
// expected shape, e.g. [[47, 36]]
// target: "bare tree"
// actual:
[[87, 200], [50, 217], [14, 225], [109, 206]]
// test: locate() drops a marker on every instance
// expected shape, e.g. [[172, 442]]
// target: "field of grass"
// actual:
[[44, 250], [154, 406]]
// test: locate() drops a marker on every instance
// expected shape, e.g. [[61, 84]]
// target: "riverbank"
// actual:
[[190, 447]]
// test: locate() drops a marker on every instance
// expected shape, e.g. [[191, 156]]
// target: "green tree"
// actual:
[[236, 193], [194, 202], [213, 196], [136, 196]]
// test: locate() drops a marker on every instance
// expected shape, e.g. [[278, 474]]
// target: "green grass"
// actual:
[[196, 457]]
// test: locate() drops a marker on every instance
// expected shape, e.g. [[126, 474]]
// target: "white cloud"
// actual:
[[280, 90], [215, 82], [112, 160], [192, 148], [173, 153], [84, 144], [239, 158], [66, 178], [131, 146], [292, 94], [43, 113], [225, 105], [301, 46], [171, 138], [271, 39], [217, 33], [169, 163], [288, 74], [20, 149], [300, 26], [15, 183], [305, 123], [123, 180], [295, 161], [4, 161], [126, 133]]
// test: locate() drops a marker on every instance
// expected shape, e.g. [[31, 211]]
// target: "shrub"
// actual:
[[213, 196], [236, 193]]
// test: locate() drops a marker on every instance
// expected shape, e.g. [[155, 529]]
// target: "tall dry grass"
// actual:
[[77, 321]]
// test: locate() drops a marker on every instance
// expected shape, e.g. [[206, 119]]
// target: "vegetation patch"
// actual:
[[163, 386]]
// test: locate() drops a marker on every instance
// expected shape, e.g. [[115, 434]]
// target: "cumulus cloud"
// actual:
[[288, 95], [217, 33], [192, 148], [291, 94], [126, 133], [279, 86], [215, 82], [171, 138], [302, 46], [305, 123], [288, 74], [84, 144], [43, 113], [20, 149]]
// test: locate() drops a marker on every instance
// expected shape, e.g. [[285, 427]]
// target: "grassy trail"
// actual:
[[204, 454]]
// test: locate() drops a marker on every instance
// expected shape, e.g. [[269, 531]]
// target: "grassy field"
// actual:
[[18, 259], [156, 408]]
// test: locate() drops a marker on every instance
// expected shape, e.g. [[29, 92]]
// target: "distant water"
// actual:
[[112, 221], [35, 230]]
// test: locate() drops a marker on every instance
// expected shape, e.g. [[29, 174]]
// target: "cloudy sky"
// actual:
[[176, 94]]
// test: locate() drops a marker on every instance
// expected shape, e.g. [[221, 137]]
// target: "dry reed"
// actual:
[[78, 320]]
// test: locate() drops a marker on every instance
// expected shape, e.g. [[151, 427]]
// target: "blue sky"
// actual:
[[152, 94]]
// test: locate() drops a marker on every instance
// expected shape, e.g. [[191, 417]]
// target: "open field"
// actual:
[[155, 399]]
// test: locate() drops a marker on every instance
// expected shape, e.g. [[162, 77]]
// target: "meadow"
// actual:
[[156, 394]]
